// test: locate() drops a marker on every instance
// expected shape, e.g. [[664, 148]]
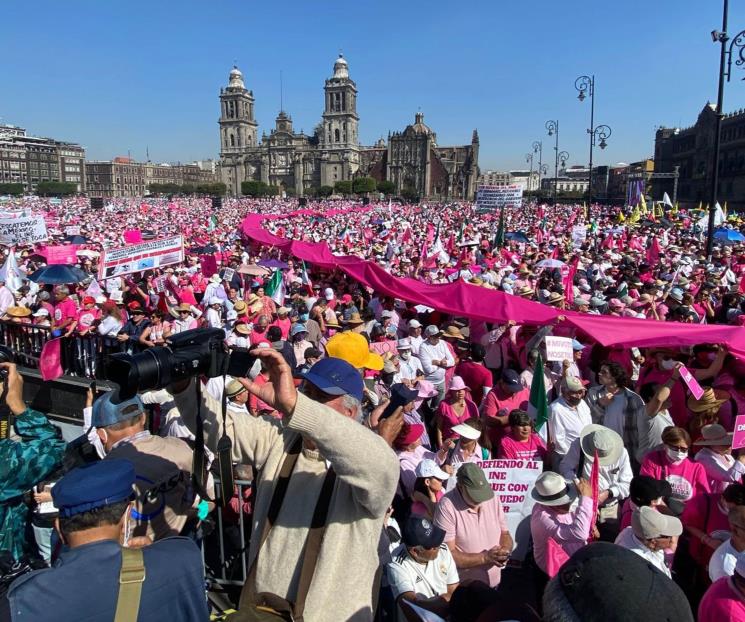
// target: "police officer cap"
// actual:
[[107, 412], [93, 486]]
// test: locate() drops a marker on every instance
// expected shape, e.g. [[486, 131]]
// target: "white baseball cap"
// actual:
[[215, 301], [429, 468], [415, 324], [328, 293], [41, 312]]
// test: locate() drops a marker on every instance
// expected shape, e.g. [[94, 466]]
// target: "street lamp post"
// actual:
[[538, 148], [563, 157], [725, 73], [586, 86], [529, 158], [553, 130]]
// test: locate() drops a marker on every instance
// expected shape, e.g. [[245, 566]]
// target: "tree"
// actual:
[[364, 184], [343, 187], [164, 188], [325, 191], [386, 187], [12, 189], [410, 194], [217, 189], [56, 188], [187, 189], [253, 188]]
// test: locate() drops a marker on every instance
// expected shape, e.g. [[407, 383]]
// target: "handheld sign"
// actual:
[[738, 440], [691, 382], [559, 349]]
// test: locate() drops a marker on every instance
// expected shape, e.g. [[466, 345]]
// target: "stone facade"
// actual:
[[300, 163]]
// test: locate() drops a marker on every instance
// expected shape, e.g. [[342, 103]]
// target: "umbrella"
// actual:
[[728, 236], [86, 252], [209, 249], [76, 239], [253, 270], [517, 236], [58, 274], [549, 263], [274, 263]]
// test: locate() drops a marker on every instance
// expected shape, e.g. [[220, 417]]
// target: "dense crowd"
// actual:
[[364, 423]]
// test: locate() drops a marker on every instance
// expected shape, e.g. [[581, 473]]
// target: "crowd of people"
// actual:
[[364, 422]]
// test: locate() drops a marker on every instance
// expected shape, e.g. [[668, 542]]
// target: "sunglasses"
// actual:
[[677, 447]]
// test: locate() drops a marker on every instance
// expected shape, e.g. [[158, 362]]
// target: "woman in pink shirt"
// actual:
[[428, 488], [454, 409], [521, 443], [671, 463]]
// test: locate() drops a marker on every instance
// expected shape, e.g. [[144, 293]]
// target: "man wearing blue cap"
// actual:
[[319, 461], [97, 580], [165, 504]]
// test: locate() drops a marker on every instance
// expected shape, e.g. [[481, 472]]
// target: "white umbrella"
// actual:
[[549, 263]]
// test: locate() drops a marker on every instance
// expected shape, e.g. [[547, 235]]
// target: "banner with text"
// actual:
[[139, 257], [496, 197], [23, 230], [513, 481]]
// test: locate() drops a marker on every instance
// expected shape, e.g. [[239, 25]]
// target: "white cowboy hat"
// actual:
[[551, 489], [466, 431], [605, 441]]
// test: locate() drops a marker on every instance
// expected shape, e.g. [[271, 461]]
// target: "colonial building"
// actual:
[[298, 163], [691, 149]]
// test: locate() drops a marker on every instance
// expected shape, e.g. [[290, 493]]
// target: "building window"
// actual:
[[336, 135]]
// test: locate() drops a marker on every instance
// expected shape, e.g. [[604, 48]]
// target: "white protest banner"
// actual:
[[579, 235], [559, 349], [513, 481], [496, 197], [228, 274], [139, 257], [72, 230], [23, 230]]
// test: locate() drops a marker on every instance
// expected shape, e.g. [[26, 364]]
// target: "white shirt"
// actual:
[[721, 470], [566, 423], [615, 477], [214, 320], [406, 575], [649, 431], [6, 299], [722, 562], [408, 368], [416, 343], [109, 326], [629, 541], [439, 352]]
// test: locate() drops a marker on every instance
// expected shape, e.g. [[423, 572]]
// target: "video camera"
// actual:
[[187, 354]]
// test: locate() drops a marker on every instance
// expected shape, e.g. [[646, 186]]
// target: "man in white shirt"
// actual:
[[567, 417], [214, 313], [409, 364], [415, 335], [423, 570], [651, 532], [435, 357], [724, 559], [7, 299]]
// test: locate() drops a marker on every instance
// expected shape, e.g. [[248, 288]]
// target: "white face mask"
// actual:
[[676, 456], [405, 355], [668, 364]]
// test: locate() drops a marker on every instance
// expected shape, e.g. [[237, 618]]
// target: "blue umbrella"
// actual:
[[728, 235], [76, 239], [58, 274], [273, 263], [517, 236]]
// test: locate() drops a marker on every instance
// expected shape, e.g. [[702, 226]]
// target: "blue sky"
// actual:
[[119, 76]]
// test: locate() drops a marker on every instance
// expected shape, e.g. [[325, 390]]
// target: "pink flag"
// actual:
[[568, 281], [555, 557], [594, 482], [132, 236], [50, 364], [450, 244], [653, 252], [209, 265]]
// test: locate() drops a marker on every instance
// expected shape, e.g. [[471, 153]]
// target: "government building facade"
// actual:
[[301, 163]]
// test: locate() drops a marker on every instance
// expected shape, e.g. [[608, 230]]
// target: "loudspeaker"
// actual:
[[96, 202], [365, 200], [216, 202], [302, 201]]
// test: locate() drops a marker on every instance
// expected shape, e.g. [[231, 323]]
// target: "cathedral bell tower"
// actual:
[[237, 125]]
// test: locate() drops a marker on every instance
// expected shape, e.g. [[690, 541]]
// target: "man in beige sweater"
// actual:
[[326, 415]]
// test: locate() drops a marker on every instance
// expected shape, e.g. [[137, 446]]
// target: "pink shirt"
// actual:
[[65, 310], [284, 326], [688, 478], [408, 461], [722, 601], [420, 509], [86, 317], [473, 530], [570, 530], [450, 418], [497, 403], [533, 449]]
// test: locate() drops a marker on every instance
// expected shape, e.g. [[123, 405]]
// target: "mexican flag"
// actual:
[[305, 277], [538, 403], [275, 288], [499, 237], [212, 224]]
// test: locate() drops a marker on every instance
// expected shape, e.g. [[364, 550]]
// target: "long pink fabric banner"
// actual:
[[466, 300]]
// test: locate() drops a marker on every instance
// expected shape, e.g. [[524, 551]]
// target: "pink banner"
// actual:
[[467, 300], [209, 265], [691, 382], [738, 440], [60, 254], [50, 364], [133, 236]]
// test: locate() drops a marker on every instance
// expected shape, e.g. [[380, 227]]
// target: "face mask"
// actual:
[[668, 364], [304, 317], [405, 356], [675, 456], [573, 401]]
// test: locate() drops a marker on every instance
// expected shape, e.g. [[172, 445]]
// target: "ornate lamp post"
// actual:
[[586, 87], [529, 159], [538, 148], [553, 130]]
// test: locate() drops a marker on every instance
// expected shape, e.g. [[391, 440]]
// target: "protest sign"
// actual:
[[132, 236], [23, 230], [60, 254], [160, 284], [579, 235], [139, 257], [513, 481], [228, 274], [738, 440], [72, 230], [496, 197], [691, 382], [559, 349]]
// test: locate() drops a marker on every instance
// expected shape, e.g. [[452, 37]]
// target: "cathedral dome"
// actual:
[[341, 68], [236, 78], [419, 126]]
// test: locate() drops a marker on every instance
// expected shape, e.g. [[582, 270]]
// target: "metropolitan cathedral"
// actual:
[[300, 163]]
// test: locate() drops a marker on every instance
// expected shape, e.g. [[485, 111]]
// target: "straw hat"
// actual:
[[333, 323], [182, 307], [712, 398], [241, 328], [453, 331], [551, 489], [525, 291], [18, 311], [714, 435], [239, 306], [555, 298], [354, 320], [605, 441]]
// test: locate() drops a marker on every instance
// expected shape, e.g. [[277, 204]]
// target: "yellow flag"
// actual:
[[621, 217], [643, 203], [675, 209], [725, 209], [584, 209]]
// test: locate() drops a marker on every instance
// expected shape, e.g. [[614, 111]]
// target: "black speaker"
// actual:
[[96, 202], [216, 202], [365, 200], [302, 201]]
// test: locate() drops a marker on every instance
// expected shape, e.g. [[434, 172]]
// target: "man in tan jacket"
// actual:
[[326, 417]]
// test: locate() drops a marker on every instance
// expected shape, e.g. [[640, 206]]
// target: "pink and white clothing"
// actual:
[[687, 478], [569, 530], [722, 601], [532, 449], [449, 418], [722, 470]]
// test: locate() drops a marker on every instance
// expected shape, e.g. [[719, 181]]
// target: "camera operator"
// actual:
[[165, 504], [320, 429], [33, 450]]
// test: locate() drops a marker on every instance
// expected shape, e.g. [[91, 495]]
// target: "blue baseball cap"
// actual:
[[106, 412], [577, 346], [93, 486], [335, 377], [298, 328]]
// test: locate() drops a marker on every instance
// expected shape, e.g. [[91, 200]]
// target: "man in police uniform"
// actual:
[[84, 584]]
